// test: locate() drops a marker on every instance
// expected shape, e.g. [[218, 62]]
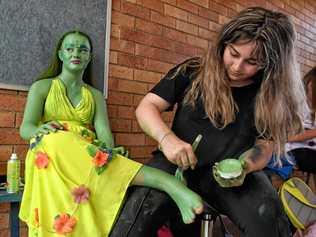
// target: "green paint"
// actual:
[[229, 168]]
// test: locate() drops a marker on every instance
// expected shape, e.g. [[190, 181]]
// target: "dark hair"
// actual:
[[55, 66]]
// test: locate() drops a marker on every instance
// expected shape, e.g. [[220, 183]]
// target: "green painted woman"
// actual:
[[75, 178]]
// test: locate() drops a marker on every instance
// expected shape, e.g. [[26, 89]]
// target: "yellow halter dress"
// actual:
[[64, 194]]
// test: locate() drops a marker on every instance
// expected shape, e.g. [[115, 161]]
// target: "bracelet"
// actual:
[[161, 140]]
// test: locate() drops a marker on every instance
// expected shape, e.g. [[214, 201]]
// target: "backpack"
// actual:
[[299, 202]]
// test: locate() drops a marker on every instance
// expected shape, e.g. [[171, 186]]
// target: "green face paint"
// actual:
[[75, 52], [229, 168]]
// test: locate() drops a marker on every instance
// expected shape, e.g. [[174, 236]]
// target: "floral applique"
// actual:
[[64, 223], [80, 194], [100, 155], [36, 141], [87, 135], [41, 160]]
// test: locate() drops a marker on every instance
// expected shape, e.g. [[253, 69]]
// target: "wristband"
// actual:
[[161, 140]]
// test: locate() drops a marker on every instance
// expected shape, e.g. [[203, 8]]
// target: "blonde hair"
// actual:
[[280, 101]]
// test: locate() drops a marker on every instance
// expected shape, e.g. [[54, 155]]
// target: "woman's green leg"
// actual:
[[187, 201]]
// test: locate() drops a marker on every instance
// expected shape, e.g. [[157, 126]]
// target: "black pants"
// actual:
[[305, 159], [254, 207]]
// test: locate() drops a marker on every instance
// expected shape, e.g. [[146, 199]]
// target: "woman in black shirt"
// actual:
[[243, 97]]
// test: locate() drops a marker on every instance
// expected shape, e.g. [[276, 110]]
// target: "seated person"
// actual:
[[301, 148], [75, 180]]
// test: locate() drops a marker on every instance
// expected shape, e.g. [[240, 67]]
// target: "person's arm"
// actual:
[[257, 157], [101, 121], [34, 110], [148, 114], [306, 135]]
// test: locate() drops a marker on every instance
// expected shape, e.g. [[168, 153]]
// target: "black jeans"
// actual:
[[254, 207]]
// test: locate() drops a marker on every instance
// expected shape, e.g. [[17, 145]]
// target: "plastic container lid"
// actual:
[[14, 156]]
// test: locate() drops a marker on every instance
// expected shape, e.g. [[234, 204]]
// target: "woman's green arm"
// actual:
[[34, 108]]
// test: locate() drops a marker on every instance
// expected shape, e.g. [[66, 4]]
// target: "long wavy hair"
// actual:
[[281, 99], [55, 66]]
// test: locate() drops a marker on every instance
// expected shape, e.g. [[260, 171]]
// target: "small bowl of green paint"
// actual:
[[229, 168]]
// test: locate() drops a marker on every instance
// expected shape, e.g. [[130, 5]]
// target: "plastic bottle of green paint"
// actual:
[[13, 174]]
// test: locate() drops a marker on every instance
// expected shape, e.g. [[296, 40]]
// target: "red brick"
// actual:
[[148, 27], [7, 119], [163, 20], [185, 49], [158, 66], [150, 141], [10, 136], [136, 128], [5, 152], [233, 5], [112, 111], [213, 16], [120, 72], [137, 99], [176, 12], [116, 5], [120, 125], [194, 19], [8, 92], [113, 83], [18, 119], [155, 5], [158, 54], [120, 98], [142, 152], [171, 2], [132, 87], [188, 6], [146, 76], [213, 26], [12, 102], [115, 30], [223, 19], [113, 57], [21, 151], [141, 62], [4, 207], [206, 34], [126, 112], [122, 45], [135, 10], [123, 19], [187, 27], [125, 60], [147, 39], [134, 139], [218, 8], [5, 233], [203, 3], [196, 41], [174, 35], [4, 220]]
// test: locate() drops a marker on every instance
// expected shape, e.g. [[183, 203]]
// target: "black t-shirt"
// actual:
[[216, 144]]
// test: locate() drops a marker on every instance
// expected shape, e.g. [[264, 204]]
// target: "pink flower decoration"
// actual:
[[100, 158], [41, 160], [81, 194], [64, 223]]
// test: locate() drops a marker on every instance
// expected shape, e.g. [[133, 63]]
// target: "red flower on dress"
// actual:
[[81, 194], [64, 223], [100, 158], [41, 160]]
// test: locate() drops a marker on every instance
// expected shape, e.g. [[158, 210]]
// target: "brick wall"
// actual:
[[148, 37]]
